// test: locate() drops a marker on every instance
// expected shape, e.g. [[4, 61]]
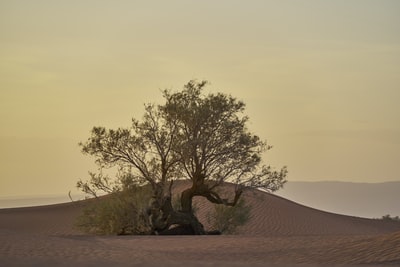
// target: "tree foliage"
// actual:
[[195, 136]]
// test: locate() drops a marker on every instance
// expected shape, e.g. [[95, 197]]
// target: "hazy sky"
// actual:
[[321, 80]]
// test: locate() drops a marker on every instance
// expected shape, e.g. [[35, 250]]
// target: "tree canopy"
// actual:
[[195, 136]]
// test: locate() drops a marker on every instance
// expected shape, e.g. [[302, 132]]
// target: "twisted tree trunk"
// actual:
[[163, 216], [187, 211]]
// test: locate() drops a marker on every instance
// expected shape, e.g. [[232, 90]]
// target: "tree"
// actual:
[[192, 136]]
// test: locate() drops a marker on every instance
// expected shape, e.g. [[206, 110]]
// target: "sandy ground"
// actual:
[[280, 233]]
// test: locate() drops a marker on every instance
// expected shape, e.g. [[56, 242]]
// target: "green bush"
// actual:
[[390, 218], [226, 219], [118, 213]]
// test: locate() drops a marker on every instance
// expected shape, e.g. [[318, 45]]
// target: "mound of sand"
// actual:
[[279, 233], [272, 215]]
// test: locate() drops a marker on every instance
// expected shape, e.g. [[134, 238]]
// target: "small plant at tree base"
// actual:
[[119, 213], [227, 219], [390, 218]]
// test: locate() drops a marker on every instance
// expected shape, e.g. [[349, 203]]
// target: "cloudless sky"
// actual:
[[321, 80]]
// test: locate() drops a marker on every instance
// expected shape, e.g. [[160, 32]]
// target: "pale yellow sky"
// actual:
[[320, 79]]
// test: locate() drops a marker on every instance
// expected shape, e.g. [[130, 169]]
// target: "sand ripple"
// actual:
[[280, 233]]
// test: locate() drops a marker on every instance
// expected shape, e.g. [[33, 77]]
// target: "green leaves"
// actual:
[[192, 135], [120, 213], [227, 219], [214, 141]]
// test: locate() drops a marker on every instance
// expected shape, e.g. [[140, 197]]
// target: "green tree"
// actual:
[[195, 136]]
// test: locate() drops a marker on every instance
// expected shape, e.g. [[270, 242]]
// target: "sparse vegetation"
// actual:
[[227, 219], [120, 213], [387, 217], [193, 136]]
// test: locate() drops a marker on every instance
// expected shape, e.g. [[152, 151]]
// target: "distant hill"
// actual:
[[369, 200], [31, 201], [14, 202]]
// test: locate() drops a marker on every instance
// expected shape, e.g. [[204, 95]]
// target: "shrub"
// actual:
[[390, 218], [226, 219], [119, 213]]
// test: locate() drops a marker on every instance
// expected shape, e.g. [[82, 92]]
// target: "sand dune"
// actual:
[[280, 233], [275, 216]]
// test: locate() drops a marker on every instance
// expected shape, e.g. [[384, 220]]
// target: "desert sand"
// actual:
[[279, 233]]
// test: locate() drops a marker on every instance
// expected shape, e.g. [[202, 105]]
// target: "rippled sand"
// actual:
[[280, 233]]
